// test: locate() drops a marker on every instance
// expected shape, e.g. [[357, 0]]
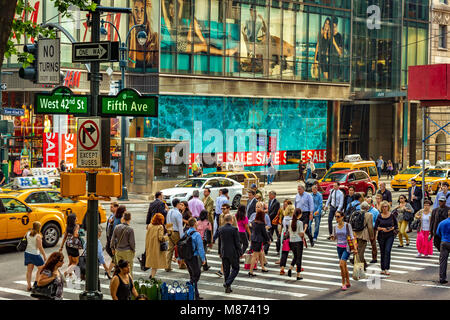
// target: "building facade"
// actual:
[[239, 79]]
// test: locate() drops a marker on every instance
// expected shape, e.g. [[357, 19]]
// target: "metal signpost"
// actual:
[[48, 61]]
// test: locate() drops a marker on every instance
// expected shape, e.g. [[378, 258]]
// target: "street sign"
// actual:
[[89, 153], [3, 87], [48, 61], [95, 51], [129, 102], [13, 112], [61, 101]]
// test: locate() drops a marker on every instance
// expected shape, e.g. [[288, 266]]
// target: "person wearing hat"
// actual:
[[437, 216], [444, 192], [255, 188]]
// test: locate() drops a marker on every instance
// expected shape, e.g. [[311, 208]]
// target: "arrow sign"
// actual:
[[3, 86], [95, 51]]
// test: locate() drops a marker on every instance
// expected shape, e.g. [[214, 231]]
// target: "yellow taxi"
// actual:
[[433, 179], [33, 192], [238, 176], [17, 218], [355, 162], [401, 179]]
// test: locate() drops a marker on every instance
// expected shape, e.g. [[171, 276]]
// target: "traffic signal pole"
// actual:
[[92, 290]]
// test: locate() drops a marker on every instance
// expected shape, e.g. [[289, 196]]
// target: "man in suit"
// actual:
[[415, 199], [230, 251], [251, 203], [274, 207], [157, 206]]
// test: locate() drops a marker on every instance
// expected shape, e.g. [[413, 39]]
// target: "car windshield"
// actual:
[[435, 173], [339, 177], [411, 171], [327, 176], [191, 183]]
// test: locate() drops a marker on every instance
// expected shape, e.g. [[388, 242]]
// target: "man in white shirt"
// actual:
[[335, 202]]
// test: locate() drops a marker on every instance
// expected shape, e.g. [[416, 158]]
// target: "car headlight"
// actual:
[[180, 195]]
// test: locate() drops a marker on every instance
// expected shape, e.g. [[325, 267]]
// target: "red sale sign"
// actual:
[[249, 158], [69, 150], [51, 150], [318, 156]]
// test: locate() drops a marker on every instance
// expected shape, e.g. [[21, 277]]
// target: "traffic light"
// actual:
[[30, 72]]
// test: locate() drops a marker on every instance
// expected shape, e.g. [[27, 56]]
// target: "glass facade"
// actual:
[[240, 127], [256, 39]]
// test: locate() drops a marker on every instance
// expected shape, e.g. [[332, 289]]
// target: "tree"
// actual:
[[13, 27]]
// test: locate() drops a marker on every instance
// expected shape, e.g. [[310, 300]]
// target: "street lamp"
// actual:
[[141, 38]]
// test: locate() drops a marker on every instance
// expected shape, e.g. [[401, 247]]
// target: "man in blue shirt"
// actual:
[[443, 231], [318, 204], [355, 203], [380, 163], [444, 192], [221, 199], [304, 201], [175, 218], [335, 202], [198, 259]]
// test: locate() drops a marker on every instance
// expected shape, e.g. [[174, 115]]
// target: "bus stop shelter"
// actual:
[[430, 85]]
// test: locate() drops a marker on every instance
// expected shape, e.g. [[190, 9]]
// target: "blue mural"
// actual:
[[299, 124]]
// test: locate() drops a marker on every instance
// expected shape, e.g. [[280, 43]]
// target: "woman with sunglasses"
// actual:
[[400, 213], [340, 233], [386, 225], [50, 272]]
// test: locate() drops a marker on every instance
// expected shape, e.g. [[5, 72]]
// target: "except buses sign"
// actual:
[[129, 102], [61, 101]]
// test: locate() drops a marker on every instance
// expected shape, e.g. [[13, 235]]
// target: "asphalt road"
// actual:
[[410, 279]]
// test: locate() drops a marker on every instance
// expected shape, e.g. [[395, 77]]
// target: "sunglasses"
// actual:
[[337, 217], [224, 208]]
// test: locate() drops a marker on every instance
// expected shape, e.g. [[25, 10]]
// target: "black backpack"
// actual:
[[185, 248], [357, 220], [349, 212]]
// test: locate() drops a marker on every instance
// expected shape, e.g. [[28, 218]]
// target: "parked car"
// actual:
[[433, 179], [238, 176], [346, 178], [401, 179], [184, 190]]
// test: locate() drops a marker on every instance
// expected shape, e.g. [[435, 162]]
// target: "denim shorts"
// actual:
[[343, 254]]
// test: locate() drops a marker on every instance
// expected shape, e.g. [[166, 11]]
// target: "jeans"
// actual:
[[308, 173], [283, 260], [385, 251], [316, 220], [270, 178], [330, 219], [234, 264], [297, 249], [343, 254], [402, 225], [443, 257], [216, 227], [379, 172], [193, 266]]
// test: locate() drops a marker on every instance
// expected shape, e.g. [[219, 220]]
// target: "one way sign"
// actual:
[[89, 153], [95, 51]]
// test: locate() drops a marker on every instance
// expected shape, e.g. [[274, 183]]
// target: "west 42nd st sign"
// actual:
[[61, 101], [129, 102]]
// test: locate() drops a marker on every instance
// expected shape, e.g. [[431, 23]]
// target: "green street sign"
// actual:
[[129, 102], [61, 101]]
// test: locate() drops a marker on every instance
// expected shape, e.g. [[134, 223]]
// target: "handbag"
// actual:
[[22, 245], [164, 246], [47, 292], [358, 269], [415, 225], [351, 242], [408, 216], [207, 235], [73, 242], [276, 220], [82, 265]]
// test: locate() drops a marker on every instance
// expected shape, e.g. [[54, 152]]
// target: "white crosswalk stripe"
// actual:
[[321, 274]]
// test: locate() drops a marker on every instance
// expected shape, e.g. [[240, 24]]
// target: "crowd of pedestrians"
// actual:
[[187, 231]]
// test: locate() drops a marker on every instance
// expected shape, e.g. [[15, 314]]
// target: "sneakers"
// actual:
[[419, 255], [219, 273]]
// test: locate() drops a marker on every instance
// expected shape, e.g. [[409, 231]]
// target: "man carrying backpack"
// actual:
[[353, 206], [362, 226], [190, 249]]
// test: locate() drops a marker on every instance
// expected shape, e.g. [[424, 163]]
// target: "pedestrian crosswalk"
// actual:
[[321, 275]]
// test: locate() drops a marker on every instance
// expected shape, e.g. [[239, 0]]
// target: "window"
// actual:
[[360, 176], [351, 177], [442, 36], [364, 169], [37, 197], [14, 206], [226, 183], [214, 183], [56, 197], [373, 171]]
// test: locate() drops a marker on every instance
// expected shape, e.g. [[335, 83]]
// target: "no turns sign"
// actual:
[[89, 145]]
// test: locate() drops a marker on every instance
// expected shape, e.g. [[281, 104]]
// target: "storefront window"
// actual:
[[169, 163], [288, 44]]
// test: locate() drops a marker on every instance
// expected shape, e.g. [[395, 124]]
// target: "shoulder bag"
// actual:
[[351, 242], [47, 292], [164, 245], [22, 245], [115, 248]]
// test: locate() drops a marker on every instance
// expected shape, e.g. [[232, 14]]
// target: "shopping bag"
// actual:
[[248, 260], [358, 269]]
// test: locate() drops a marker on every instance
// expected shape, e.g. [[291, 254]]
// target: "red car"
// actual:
[[346, 178]]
